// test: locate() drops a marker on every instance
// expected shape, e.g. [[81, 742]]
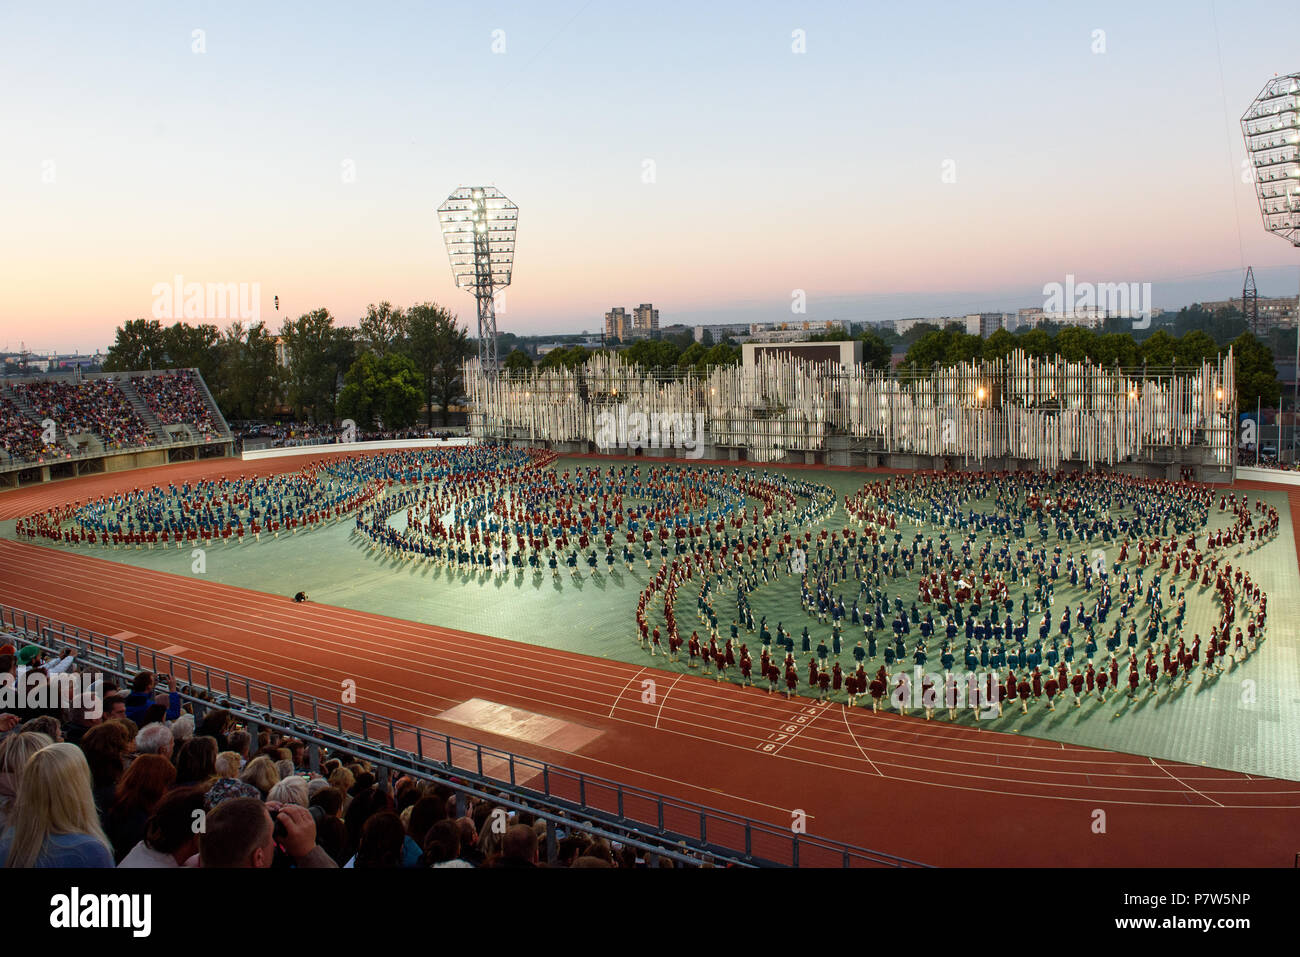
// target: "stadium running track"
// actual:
[[929, 791]]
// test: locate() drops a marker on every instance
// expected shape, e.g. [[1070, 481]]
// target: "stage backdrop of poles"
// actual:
[[1044, 410]]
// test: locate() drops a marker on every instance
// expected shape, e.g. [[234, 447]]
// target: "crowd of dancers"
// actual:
[[964, 614]]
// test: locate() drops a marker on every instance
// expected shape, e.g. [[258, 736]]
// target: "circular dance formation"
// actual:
[[956, 592]]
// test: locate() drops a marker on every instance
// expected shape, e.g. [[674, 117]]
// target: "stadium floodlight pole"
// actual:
[[478, 225], [1271, 127]]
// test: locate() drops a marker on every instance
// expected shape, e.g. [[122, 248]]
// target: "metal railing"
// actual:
[[562, 791]]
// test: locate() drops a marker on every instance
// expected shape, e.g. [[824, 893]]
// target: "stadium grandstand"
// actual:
[[80, 424]]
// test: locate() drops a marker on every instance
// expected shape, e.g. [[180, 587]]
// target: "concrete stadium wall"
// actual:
[[326, 449], [1278, 476]]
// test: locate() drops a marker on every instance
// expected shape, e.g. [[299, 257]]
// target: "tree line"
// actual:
[[383, 371]]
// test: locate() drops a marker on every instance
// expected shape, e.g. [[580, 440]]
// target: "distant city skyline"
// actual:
[[717, 161]]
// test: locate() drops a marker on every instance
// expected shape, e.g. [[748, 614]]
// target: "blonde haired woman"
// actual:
[[228, 764], [54, 822], [261, 774], [15, 750]]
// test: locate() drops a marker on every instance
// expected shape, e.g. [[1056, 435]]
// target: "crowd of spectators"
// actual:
[[95, 406], [176, 398], [293, 434], [121, 785], [21, 438], [1247, 457]]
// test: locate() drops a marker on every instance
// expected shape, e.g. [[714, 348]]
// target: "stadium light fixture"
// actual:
[[478, 226], [1271, 127]]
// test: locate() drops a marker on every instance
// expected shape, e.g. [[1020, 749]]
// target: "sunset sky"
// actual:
[[676, 153]]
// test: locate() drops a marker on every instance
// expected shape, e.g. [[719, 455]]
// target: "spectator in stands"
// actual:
[[228, 764], [46, 725], [155, 738], [262, 774], [425, 813], [108, 747], [241, 833], [290, 790], [182, 728], [442, 845], [342, 779], [138, 793], [382, 842], [114, 706], [141, 696], [53, 822], [170, 839], [216, 724], [518, 848], [239, 742], [15, 750], [196, 762]]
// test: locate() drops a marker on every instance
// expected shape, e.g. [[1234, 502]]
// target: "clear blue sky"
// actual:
[[129, 158]]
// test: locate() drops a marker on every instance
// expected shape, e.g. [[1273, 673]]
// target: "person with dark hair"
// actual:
[[242, 833], [381, 843], [196, 762], [469, 850], [300, 597], [106, 747], [329, 800], [425, 813], [138, 793], [170, 839], [518, 848], [364, 804], [215, 724], [332, 836], [442, 845]]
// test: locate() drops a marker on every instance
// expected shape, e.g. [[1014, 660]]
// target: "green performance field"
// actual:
[[1242, 720]]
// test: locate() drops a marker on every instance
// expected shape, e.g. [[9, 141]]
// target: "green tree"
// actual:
[[439, 347], [140, 345], [876, 353], [381, 390], [248, 381], [193, 347], [518, 362], [316, 354], [1158, 349], [383, 329], [1255, 373], [1000, 344]]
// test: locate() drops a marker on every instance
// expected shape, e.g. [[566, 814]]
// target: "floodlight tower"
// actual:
[[1272, 130], [478, 225]]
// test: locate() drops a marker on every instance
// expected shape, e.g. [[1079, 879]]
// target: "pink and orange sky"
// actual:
[[923, 159]]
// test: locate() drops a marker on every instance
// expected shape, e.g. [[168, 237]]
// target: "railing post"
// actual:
[[546, 779], [749, 840], [392, 735], [621, 815], [313, 757], [582, 791], [659, 803], [704, 827], [552, 848]]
